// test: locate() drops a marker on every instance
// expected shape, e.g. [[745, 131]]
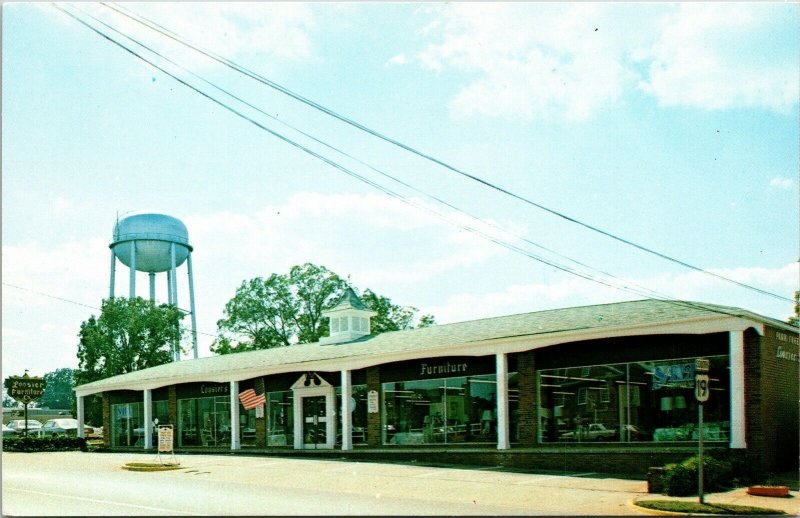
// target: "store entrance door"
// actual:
[[315, 422]]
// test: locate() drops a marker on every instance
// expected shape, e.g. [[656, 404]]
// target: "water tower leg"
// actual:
[[174, 288], [132, 290], [169, 287], [113, 274], [152, 287], [191, 303]]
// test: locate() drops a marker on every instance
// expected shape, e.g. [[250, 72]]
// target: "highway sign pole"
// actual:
[[700, 453], [701, 393]]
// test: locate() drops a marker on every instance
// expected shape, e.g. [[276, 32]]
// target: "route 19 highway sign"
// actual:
[[701, 389]]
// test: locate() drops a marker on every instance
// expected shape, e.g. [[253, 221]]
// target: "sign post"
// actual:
[[25, 389], [165, 442], [701, 393]]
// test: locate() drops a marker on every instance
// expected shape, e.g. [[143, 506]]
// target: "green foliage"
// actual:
[[285, 309], [795, 319], [129, 335], [34, 444], [681, 479], [58, 389], [680, 506]]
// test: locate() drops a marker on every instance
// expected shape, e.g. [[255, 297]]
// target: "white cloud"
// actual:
[[532, 61], [781, 182], [719, 56], [278, 30], [549, 60], [399, 59], [573, 291]]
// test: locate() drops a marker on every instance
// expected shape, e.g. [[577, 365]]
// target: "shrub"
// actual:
[[681, 479], [34, 444]]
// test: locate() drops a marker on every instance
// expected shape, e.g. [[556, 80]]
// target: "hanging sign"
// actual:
[[372, 402], [260, 412]]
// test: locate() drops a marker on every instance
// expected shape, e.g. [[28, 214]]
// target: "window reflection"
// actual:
[[631, 402]]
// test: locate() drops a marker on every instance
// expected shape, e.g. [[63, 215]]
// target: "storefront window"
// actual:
[[631, 402], [127, 424], [358, 416], [280, 418], [440, 411], [247, 427], [204, 421], [161, 412]]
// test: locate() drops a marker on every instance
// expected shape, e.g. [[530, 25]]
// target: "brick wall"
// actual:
[[374, 419], [106, 420], [528, 433], [771, 395], [173, 413]]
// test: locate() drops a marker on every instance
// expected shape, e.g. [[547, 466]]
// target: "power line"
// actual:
[[646, 291], [70, 301], [366, 180], [245, 71]]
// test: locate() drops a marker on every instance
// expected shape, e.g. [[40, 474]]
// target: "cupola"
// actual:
[[348, 319]]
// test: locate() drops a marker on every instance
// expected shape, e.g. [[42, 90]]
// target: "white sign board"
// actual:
[[372, 402], [165, 438], [701, 389], [260, 412]]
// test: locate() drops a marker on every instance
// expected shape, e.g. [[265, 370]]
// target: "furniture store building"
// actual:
[[602, 388]]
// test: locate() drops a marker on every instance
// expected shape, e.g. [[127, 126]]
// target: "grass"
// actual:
[[681, 506], [150, 466]]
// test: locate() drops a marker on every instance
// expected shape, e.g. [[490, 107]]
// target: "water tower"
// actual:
[[154, 243]]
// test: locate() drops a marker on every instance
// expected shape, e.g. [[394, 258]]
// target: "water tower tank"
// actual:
[[153, 234], [154, 243]]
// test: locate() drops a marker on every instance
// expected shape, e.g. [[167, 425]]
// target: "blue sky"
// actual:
[[672, 125]]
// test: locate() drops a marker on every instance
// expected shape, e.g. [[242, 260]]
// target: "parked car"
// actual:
[[18, 425], [591, 432], [62, 426], [8, 431]]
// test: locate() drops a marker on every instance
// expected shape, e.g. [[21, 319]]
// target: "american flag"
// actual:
[[250, 399]]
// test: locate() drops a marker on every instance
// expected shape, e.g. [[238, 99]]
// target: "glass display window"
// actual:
[[358, 416], [441, 411], [127, 424], [280, 418], [646, 401], [204, 421]]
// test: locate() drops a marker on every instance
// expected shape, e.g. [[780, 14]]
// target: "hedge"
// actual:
[[34, 444], [681, 479]]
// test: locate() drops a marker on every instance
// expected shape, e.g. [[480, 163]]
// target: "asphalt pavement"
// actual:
[[94, 484]]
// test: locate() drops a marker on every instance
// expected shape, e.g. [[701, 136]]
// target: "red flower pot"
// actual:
[[768, 491]]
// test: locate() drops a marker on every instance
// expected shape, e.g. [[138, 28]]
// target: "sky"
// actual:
[[673, 126]]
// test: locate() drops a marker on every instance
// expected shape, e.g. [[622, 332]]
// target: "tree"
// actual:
[[795, 319], [391, 317], [287, 309], [129, 335], [58, 392]]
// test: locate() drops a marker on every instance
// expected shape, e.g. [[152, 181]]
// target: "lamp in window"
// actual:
[[680, 403], [666, 404]]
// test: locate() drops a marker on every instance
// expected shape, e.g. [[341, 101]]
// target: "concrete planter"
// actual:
[[776, 491]]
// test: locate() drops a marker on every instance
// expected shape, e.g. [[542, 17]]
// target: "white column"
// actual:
[[80, 417], [235, 440], [347, 411], [736, 340], [502, 402], [148, 419]]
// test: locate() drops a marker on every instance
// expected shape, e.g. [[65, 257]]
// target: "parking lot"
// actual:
[[94, 484]]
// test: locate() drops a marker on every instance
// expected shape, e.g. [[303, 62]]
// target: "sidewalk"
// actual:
[[790, 505]]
